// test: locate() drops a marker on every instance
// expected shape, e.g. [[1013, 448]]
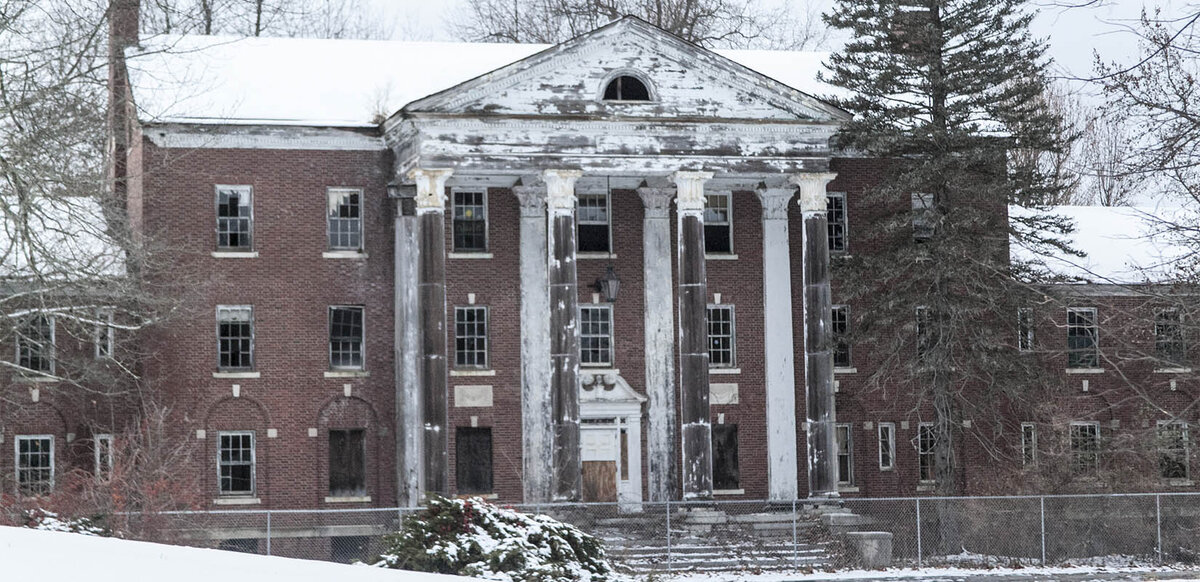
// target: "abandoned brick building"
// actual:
[[537, 273]]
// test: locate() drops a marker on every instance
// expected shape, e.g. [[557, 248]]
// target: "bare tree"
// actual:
[[1106, 150], [298, 18], [1061, 166], [709, 23]]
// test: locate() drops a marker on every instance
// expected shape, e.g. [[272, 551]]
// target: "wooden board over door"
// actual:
[[600, 481]]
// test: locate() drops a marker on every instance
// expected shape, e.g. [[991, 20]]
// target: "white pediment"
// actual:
[[687, 82], [606, 386]]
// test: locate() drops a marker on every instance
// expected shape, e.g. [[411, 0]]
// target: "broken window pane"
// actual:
[[718, 221], [593, 224], [234, 216], [346, 337], [345, 219], [235, 337]]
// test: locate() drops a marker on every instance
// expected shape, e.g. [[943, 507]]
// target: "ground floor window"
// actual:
[[103, 456], [887, 446], [1028, 443], [473, 453], [347, 463], [845, 454], [35, 464], [1173, 450], [926, 468], [725, 457], [1085, 447], [235, 463]]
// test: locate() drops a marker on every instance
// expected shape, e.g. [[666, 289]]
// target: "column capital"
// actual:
[[689, 188], [560, 189], [812, 189], [775, 202], [656, 201], [532, 200], [431, 188]]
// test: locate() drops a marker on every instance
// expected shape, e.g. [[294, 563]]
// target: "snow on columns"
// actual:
[[693, 337], [536, 408], [431, 285], [563, 282], [777, 345], [660, 341], [818, 338], [406, 304]]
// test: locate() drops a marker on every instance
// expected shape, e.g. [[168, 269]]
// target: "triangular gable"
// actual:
[[687, 81]]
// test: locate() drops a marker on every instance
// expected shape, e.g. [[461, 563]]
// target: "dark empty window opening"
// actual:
[[626, 88], [718, 232], [725, 457], [347, 463], [841, 329], [349, 549], [593, 224], [473, 455]]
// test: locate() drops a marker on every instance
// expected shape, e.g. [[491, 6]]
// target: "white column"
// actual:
[[536, 411], [659, 324], [563, 283], [407, 342], [777, 345]]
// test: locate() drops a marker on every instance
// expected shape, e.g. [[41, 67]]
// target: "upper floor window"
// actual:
[[718, 223], [720, 336], [626, 88], [1025, 329], [235, 337], [927, 334], [1169, 346], [1082, 334], [593, 224], [924, 217], [346, 337], [471, 337], [103, 338], [595, 335], [470, 221], [345, 219], [35, 464], [835, 204], [35, 344], [235, 218], [841, 329]]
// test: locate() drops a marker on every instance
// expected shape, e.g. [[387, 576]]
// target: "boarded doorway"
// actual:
[[600, 462]]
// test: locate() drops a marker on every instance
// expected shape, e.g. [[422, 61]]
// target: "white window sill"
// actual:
[[235, 254], [848, 489], [1085, 370], [359, 499], [344, 255], [237, 501], [237, 375], [479, 495], [729, 491], [928, 486], [1179, 482], [1173, 371], [596, 255], [845, 370], [469, 256], [472, 372], [347, 374], [35, 379], [720, 257], [724, 371]]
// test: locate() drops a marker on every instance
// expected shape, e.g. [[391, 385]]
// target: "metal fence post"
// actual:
[[669, 557], [1158, 524], [919, 532], [795, 542], [1042, 501], [268, 532]]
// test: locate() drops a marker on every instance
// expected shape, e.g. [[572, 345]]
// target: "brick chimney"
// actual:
[[122, 33]]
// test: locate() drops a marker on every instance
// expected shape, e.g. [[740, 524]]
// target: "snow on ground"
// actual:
[[28, 554], [914, 574]]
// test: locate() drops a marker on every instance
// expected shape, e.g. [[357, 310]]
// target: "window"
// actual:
[[595, 335], [35, 464], [926, 334], [924, 217], [1082, 334], [626, 88], [1025, 329], [471, 337], [725, 457], [35, 344], [470, 221], [593, 221], [718, 223], [1173, 449], [1085, 447], [1028, 443], [720, 336], [346, 337], [835, 204], [103, 456], [347, 463], [235, 337], [845, 455], [1169, 346], [345, 219], [926, 439], [473, 456], [887, 446], [235, 218], [103, 337], [841, 329], [235, 463]]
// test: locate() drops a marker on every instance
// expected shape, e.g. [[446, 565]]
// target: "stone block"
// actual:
[[870, 549]]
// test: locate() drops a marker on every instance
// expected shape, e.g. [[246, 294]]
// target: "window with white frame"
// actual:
[[721, 352], [1028, 443], [1173, 449], [35, 343], [235, 337], [924, 217], [470, 221], [718, 223], [845, 454], [102, 456], [235, 463], [1085, 448], [235, 218], [1025, 329], [926, 452], [835, 204], [344, 223], [1082, 338], [887, 446], [595, 335], [1169, 345], [841, 329], [471, 337], [346, 337], [103, 335], [593, 218], [34, 464]]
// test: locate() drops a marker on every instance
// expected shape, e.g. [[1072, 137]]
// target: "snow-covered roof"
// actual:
[[64, 238], [344, 83], [1122, 245]]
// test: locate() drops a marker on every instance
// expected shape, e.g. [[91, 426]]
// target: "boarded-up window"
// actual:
[[725, 456], [473, 448], [347, 468]]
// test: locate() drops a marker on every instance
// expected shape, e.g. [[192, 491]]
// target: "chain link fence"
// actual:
[[1116, 529]]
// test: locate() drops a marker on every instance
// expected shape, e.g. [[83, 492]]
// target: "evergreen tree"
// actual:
[[946, 90]]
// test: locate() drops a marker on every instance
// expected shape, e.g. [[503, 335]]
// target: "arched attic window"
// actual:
[[626, 88]]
